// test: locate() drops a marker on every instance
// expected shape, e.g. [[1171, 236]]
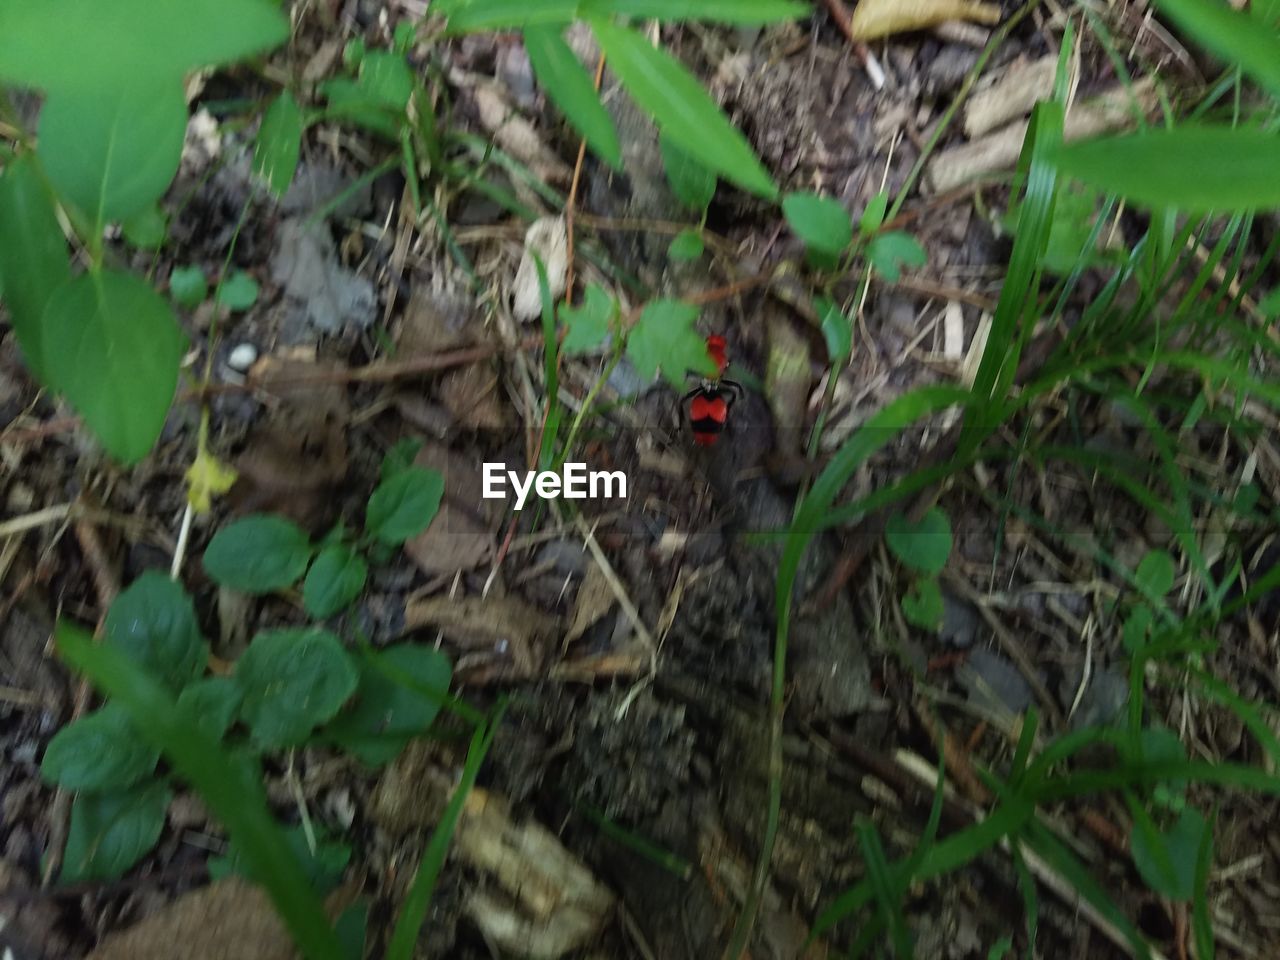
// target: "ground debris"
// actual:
[[306, 266]]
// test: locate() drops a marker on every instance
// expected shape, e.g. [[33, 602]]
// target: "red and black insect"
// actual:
[[711, 400]]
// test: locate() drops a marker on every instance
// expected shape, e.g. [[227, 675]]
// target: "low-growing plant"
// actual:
[[922, 547]]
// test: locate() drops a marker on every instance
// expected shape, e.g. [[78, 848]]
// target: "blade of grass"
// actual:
[[404, 938], [883, 887], [1236, 37], [235, 798]]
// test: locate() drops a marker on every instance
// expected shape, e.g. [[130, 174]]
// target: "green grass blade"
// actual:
[[1201, 920], [720, 11], [468, 16], [1236, 37], [1192, 168], [404, 939], [566, 82], [886, 893], [234, 798], [683, 110]]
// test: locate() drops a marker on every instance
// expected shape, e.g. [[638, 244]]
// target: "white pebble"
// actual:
[[242, 357]]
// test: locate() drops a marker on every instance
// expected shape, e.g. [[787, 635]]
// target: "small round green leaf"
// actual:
[[922, 546], [188, 286], [100, 751], [922, 604], [258, 554], [334, 580], [293, 681], [403, 505], [211, 703], [686, 246], [821, 222], [892, 251], [238, 291], [110, 832], [1155, 573], [154, 624], [118, 350], [393, 703]]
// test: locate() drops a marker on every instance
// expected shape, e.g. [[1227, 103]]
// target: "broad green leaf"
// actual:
[[471, 15], [1192, 168], [1155, 573], [386, 79], [323, 865], [258, 554], [349, 100], [923, 546], [112, 152], [335, 579], [1166, 859], [873, 216], [239, 291], [837, 329], [890, 252], [400, 456], [1136, 626], [100, 751], [664, 339], [587, 325], [1233, 36], [33, 255], [147, 228], [403, 505], [692, 183], [188, 286], [110, 832], [717, 11], [821, 222], [153, 623], [565, 80], [279, 143], [211, 703], [391, 707], [681, 108], [293, 681], [922, 604], [86, 46], [686, 246], [117, 359]]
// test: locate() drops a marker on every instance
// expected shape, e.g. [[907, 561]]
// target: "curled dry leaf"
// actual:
[[545, 239], [472, 396], [881, 18], [595, 599]]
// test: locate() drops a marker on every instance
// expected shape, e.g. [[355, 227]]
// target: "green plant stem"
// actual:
[[589, 400]]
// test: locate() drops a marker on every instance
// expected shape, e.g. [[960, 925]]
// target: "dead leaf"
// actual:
[[228, 920], [880, 18], [516, 135], [595, 599], [506, 628], [547, 240], [787, 382], [434, 323], [470, 394], [454, 541], [330, 295]]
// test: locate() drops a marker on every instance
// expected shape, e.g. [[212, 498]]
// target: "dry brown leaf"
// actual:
[[787, 380], [505, 627], [470, 394], [517, 136], [595, 599], [454, 541], [227, 920], [881, 18], [435, 322]]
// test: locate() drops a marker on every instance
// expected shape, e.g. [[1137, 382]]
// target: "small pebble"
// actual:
[[242, 357]]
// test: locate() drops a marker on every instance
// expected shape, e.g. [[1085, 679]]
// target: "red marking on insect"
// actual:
[[710, 401]]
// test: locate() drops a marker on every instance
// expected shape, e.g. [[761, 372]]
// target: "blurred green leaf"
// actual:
[[258, 554], [147, 228], [873, 216], [922, 604], [566, 81], [336, 577], [1155, 573], [686, 246], [293, 680], [404, 505], [682, 109], [922, 546], [238, 291], [387, 80], [279, 143], [1232, 35], [718, 11], [890, 252], [323, 865], [692, 183], [400, 457], [664, 339], [587, 325], [112, 151], [1166, 859], [100, 751], [110, 832], [820, 222], [153, 623], [132, 337], [211, 703], [188, 286], [836, 329]]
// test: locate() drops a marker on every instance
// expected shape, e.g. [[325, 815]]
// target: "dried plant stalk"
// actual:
[[880, 18]]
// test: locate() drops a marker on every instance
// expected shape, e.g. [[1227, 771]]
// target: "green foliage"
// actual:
[[565, 80], [472, 15], [923, 546], [117, 359], [687, 245], [890, 252], [837, 330], [147, 228], [238, 291], [922, 604], [279, 143], [100, 751], [692, 183], [821, 222], [1232, 35], [403, 505], [1166, 859], [587, 325], [188, 286], [322, 864], [873, 216], [664, 339], [258, 554], [154, 624], [293, 681], [211, 703], [336, 577], [401, 689], [110, 832]]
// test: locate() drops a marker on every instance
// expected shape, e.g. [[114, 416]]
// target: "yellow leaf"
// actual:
[[207, 477], [880, 18]]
